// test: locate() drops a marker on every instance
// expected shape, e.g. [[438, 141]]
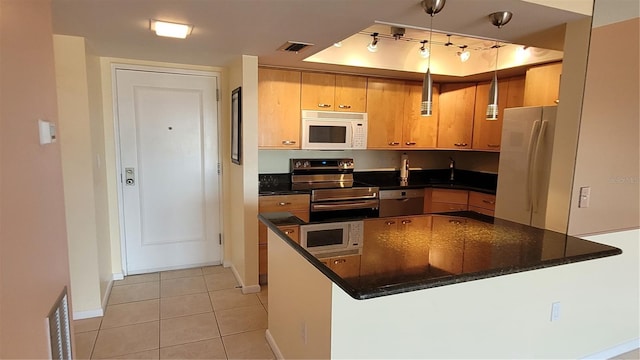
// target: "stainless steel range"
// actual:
[[334, 194]]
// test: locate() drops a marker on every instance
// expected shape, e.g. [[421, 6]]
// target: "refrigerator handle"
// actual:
[[536, 164], [533, 136]]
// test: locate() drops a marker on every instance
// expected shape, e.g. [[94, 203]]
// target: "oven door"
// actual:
[[326, 134]]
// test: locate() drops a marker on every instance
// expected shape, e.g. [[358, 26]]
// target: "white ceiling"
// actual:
[[225, 29]]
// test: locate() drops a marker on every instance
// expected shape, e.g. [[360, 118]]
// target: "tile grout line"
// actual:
[[226, 354]]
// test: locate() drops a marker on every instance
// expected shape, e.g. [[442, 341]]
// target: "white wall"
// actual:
[[277, 161], [502, 317]]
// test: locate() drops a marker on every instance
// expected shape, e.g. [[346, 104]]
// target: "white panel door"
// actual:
[[168, 155]]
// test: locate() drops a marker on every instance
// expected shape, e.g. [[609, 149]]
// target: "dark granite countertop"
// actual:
[[279, 184], [442, 250]]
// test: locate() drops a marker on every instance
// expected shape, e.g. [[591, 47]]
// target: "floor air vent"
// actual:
[[294, 46], [59, 329]]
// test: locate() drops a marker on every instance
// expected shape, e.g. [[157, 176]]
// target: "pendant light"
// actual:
[[498, 19], [431, 7]]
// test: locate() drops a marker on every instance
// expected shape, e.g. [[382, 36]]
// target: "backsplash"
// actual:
[[277, 161]]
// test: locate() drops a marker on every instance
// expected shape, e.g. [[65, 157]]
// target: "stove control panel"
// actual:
[[323, 165]]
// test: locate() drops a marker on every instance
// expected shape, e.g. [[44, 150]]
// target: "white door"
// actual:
[[167, 125]]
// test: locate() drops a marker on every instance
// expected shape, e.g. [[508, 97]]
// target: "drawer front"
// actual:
[[485, 201], [292, 231], [449, 196], [278, 203], [438, 207], [481, 210]]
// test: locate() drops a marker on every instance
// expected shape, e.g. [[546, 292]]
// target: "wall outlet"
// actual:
[[555, 311], [303, 332]]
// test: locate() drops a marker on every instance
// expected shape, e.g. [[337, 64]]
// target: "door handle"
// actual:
[[129, 176]]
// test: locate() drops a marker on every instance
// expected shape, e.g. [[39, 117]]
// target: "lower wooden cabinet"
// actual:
[[446, 200], [344, 266], [482, 203], [293, 231]]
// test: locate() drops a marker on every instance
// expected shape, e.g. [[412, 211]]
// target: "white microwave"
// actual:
[[330, 130], [336, 237]]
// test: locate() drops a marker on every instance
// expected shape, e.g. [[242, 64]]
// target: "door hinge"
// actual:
[[217, 94], [220, 239], [219, 168]]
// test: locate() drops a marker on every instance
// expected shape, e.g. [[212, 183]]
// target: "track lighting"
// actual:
[[498, 19], [424, 52], [373, 46], [431, 7], [464, 54]]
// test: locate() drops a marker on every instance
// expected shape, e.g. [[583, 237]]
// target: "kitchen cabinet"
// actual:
[[385, 109], [487, 133], [297, 205], [321, 91], [446, 200], [446, 248], [390, 236], [344, 266], [419, 132], [278, 109], [482, 203], [542, 85], [455, 127]]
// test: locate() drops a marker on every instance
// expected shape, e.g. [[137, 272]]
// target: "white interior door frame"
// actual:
[[117, 147]]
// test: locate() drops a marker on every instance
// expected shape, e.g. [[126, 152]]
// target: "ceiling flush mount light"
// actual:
[[169, 29], [498, 19], [464, 54], [373, 46], [431, 7], [424, 52]]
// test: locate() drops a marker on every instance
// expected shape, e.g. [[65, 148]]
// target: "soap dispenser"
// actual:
[[404, 168]]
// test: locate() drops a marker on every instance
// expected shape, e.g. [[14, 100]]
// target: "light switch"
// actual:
[[585, 196], [47, 132]]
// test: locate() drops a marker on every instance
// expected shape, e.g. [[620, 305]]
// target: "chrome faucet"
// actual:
[[452, 168]]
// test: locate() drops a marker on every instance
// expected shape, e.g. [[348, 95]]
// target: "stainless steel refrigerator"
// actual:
[[525, 164]]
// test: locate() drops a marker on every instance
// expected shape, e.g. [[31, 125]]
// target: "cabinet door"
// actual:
[[542, 85], [346, 266], [419, 132], [351, 93], [278, 109], [515, 94], [455, 127], [487, 133], [318, 91], [381, 239], [385, 108], [447, 244]]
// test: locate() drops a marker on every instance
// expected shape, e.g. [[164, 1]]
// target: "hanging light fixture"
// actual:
[[424, 52], [431, 7], [464, 54], [373, 46], [498, 19]]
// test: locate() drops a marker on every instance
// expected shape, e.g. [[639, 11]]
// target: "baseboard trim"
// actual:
[[616, 350], [118, 276], [246, 289], [107, 293], [79, 315], [272, 344]]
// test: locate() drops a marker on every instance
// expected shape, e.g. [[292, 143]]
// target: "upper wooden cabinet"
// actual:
[[455, 128], [385, 99], [542, 85], [278, 109], [419, 132], [487, 133], [334, 92]]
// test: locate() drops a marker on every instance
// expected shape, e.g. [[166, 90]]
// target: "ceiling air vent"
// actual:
[[294, 46]]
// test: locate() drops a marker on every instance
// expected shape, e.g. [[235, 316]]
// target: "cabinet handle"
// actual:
[[460, 144], [339, 261], [394, 143], [456, 222], [488, 201], [288, 142], [344, 106], [410, 143], [284, 203], [324, 105], [289, 232], [405, 222], [389, 222], [493, 145]]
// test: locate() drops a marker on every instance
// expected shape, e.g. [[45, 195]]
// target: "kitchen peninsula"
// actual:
[[461, 285]]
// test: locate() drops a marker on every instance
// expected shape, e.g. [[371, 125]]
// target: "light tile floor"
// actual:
[[182, 314]]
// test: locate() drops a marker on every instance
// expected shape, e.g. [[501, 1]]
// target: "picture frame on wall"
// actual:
[[236, 126]]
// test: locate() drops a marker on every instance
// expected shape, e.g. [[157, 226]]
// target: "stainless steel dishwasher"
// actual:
[[401, 202]]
